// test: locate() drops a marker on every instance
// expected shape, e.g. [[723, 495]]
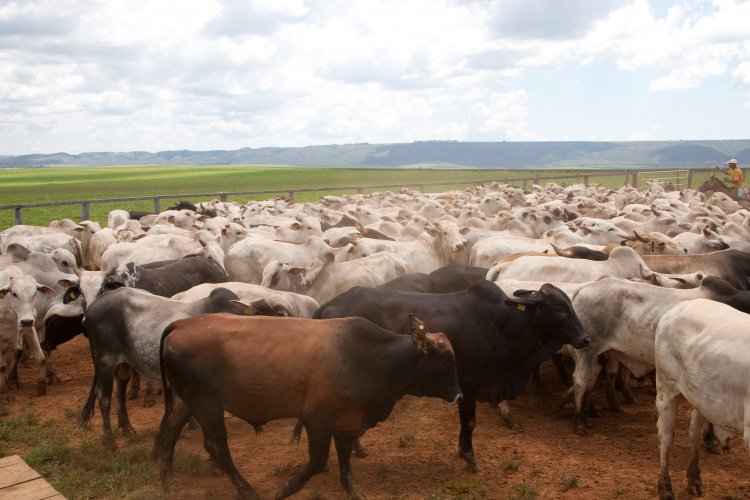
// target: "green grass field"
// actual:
[[45, 185]]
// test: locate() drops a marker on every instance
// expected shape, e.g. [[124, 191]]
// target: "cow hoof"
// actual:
[[665, 491], [359, 450], [696, 489], [109, 443], [472, 467], [617, 408], [41, 388], [513, 425]]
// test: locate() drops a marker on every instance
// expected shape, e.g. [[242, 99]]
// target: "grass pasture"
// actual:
[[46, 185]]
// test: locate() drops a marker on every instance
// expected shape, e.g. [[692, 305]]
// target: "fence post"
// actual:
[[689, 184], [223, 197], [360, 190], [636, 180], [19, 215], [524, 184], [157, 205], [291, 196], [586, 180], [421, 188], [84, 211]]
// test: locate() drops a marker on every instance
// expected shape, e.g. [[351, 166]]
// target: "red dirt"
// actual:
[[413, 453]]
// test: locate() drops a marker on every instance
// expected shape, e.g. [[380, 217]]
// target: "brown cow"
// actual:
[[340, 377]]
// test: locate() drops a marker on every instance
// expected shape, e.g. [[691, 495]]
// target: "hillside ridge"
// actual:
[[428, 154]]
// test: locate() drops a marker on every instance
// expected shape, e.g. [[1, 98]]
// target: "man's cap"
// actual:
[[732, 162]]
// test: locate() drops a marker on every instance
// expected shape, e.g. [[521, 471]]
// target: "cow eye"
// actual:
[[14, 294], [561, 309]]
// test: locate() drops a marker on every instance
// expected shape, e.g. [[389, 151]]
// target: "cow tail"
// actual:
[[168, 398], [297, 432], [88, 409]]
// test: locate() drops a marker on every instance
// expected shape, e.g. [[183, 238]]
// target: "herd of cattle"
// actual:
[[330, 312]]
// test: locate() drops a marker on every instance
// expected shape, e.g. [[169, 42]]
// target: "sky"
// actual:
[[83, 76]]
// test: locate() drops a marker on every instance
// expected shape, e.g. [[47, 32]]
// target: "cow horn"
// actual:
[[418, 332]]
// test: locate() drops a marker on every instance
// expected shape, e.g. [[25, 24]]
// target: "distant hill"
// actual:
[[432, 154]]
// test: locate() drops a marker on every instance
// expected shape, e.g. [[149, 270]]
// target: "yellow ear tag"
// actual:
[[521, 307], [421, 327], [73, 295]]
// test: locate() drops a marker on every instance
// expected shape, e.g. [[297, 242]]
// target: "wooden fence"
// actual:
[[632, 177]]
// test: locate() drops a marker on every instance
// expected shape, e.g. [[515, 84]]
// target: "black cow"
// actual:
[[340, 377], [447, 279], [498, 340]]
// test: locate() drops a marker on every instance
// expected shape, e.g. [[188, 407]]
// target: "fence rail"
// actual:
[[632, 177]]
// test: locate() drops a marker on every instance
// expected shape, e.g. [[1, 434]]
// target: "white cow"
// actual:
[[326, 279], [622, 316], [264, 300], [622, 262], [701, 352], [246, 259], [161, 247], [436, 247], [18, 319]]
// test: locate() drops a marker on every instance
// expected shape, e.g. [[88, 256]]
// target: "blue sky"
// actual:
[[81, 76]]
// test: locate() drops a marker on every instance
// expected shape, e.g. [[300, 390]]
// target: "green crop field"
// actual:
[[46, 185]]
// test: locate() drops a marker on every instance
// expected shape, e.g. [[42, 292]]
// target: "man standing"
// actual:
[[736, 178]]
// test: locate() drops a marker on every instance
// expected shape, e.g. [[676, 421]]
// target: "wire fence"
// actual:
[[679, 179]]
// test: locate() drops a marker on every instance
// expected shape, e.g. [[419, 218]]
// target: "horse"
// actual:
[[717, 186]]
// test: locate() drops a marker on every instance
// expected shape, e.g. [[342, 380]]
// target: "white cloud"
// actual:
[[81, 75]]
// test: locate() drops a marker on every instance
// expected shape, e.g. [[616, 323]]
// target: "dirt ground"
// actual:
[[413, 453]]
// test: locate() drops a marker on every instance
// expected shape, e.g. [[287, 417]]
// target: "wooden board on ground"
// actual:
[[21, 482]]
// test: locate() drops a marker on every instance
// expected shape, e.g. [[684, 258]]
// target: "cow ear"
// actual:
[[247, 308], [431, 231], [418, 332], [4, 291], [464, 230], [44, 289], [71, 294]]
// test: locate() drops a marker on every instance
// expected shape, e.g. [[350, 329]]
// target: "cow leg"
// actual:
[[622, 384], [344, 448], [467, 408], [562, 370], [713, 445], [135, 385], [52, 377], [104, 381], [173, 421], [585, 373], [359, 450], [37, 356], [613, 368], [695, 484], [210, 416], [510, 421], [12, 378], [666, 405], [123, 422], [319, 445], [148, 396], [536, 378]]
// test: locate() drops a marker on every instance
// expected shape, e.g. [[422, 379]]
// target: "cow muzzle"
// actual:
[[26, 323], [582, 342]]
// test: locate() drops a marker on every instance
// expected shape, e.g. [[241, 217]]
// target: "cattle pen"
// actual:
[[677, 178]]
